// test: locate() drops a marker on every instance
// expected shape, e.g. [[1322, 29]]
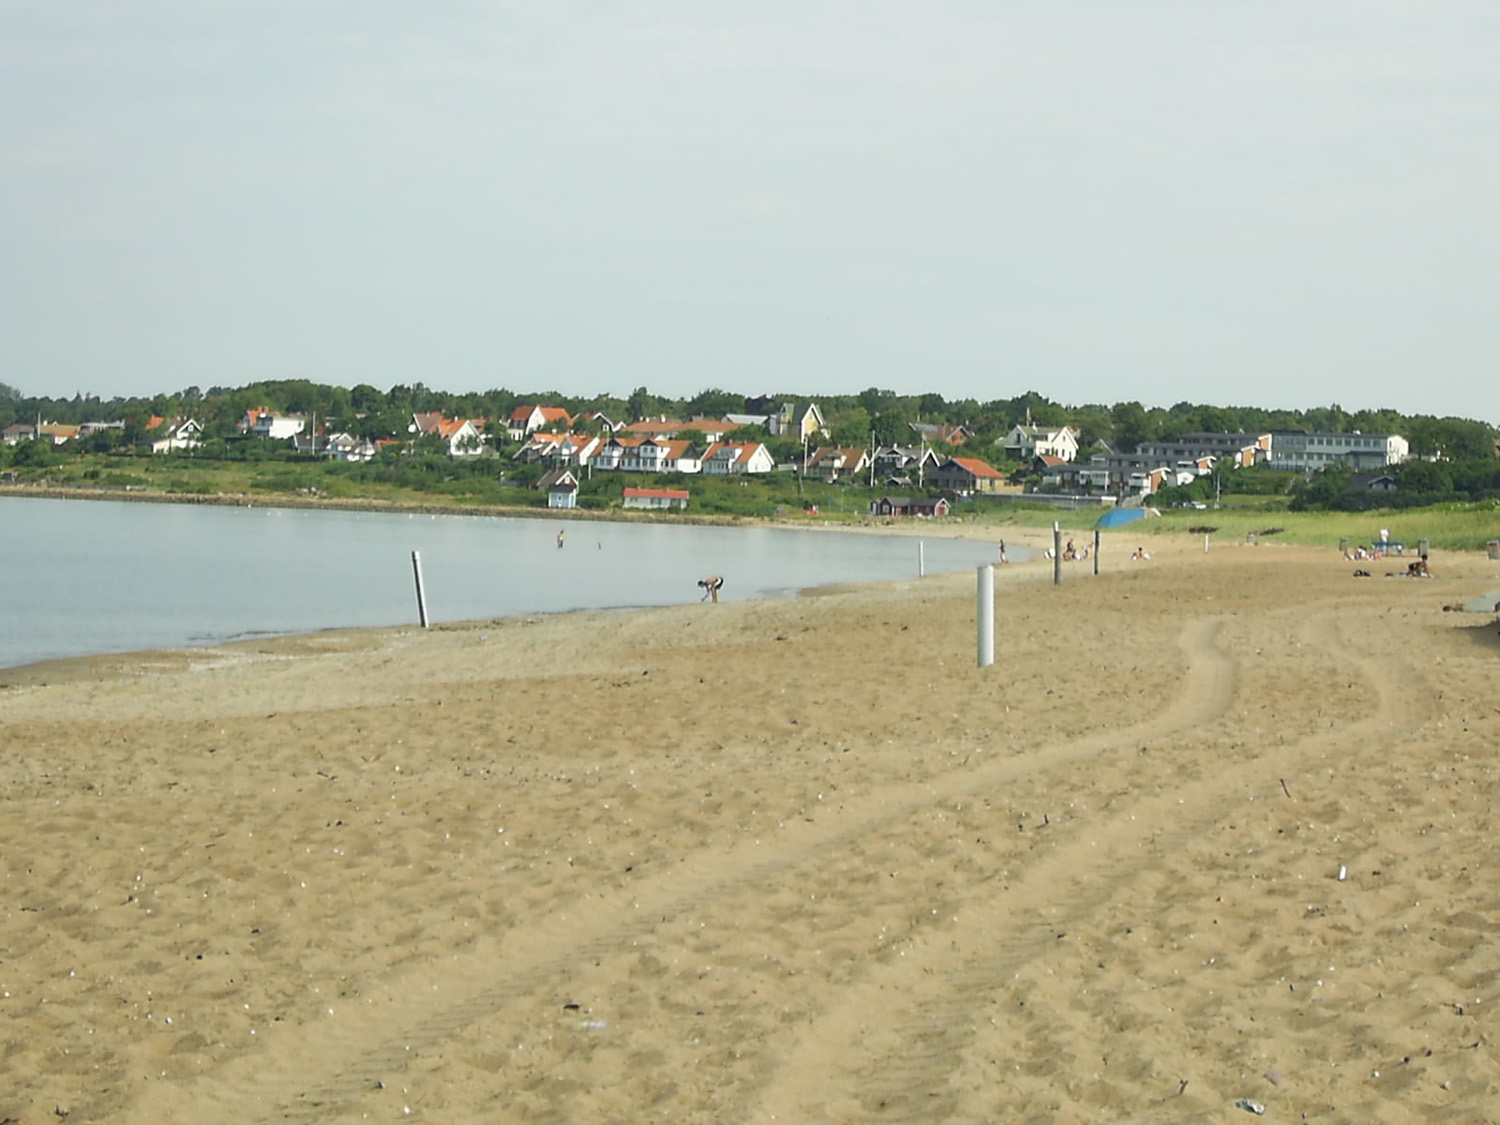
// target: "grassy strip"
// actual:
[[476, 487]]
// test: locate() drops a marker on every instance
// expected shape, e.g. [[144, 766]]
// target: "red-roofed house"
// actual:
[[726, 458], [712, 429], [966, 475], [660, 455], [526, 419], [561, 449], [463, 436], [658, 498], [260, 422]]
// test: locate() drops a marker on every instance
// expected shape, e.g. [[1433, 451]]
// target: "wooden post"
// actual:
[[985, 615], [1096, 552], [416, 568], [1056, 554]]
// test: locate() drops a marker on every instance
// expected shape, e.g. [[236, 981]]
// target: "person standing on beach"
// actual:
[[711, 587], [1003, 559]]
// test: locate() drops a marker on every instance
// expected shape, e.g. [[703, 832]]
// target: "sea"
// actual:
[[86, 577]]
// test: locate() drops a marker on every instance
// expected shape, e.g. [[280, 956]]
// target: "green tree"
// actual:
[[642, 404], [37, 454], [1324, 489], [876, 401], [1425, 477], [850, 427], [1130, 426], [714, 403], [892, 427]]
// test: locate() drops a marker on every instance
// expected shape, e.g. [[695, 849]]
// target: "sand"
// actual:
[[1214, 827]]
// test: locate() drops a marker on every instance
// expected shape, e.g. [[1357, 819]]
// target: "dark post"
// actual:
[[416, 569]]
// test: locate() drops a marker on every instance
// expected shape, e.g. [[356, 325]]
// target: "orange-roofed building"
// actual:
[[966, 475]]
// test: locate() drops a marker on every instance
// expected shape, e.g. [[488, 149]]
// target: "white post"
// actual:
[[1205, 544], [416, 568], [921, 559], [986, 615]]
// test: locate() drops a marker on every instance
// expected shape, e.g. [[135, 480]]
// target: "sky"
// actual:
[[1275, 203]]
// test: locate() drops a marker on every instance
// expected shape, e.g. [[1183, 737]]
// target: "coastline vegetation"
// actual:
[[1448, 494]]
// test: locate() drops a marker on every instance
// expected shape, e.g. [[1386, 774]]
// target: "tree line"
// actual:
[[367, 411]]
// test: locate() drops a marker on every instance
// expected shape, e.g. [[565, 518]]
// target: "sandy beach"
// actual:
[[1216, 828]]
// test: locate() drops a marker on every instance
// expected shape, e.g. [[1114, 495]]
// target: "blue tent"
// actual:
[[1119, 517]]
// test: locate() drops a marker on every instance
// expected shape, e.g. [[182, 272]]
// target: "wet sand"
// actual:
[[794, 861]]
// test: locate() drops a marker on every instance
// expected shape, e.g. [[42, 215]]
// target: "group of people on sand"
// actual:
[[1070, 553]]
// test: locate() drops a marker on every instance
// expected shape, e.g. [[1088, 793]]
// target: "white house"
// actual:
[[180, 433], [260, 422], [1026, 443], [530, 418], [659, 498], [563, 449], [725, 458], [346, 447], [660, 455]]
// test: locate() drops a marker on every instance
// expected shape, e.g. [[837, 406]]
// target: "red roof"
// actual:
[[659, 493], [977, 467]]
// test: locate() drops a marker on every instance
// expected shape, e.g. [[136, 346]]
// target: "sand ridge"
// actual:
[[795, 860]]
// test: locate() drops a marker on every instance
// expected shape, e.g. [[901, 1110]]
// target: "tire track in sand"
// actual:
[[306, 1069], [892, 1048]]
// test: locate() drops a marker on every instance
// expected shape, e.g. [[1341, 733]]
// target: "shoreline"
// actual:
[[860, 523], [72, 666], [97, 666]]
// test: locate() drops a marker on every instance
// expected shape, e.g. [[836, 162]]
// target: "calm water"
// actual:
[[86, 577]]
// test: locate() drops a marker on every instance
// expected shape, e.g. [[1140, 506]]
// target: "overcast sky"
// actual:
[[1280, 203]]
